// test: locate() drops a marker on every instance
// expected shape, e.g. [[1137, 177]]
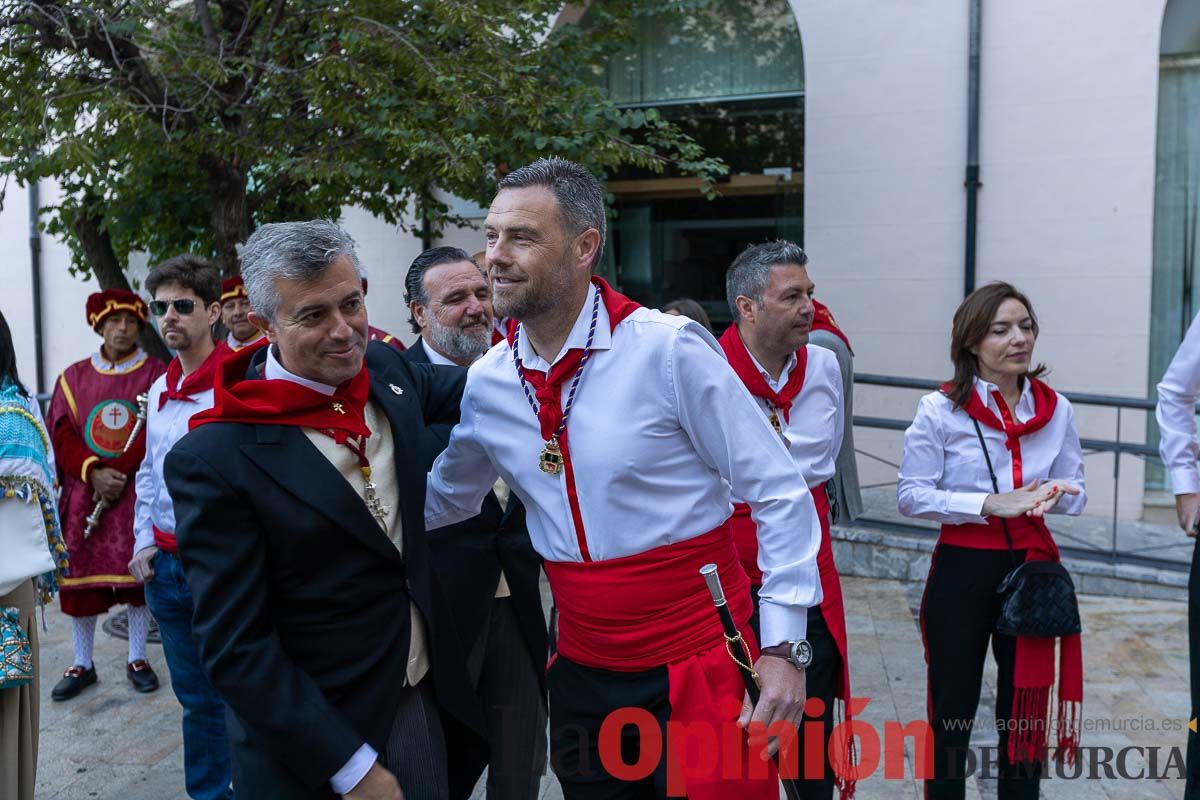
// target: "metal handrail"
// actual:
[[1115, 446]]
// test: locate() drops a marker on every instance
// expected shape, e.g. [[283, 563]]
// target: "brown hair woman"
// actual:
[[996, 398]]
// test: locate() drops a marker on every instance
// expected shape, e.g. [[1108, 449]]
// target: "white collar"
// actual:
[[276, 372], [434, 356], [576, 339], [783, 376], [235, 343], [1025, 406]]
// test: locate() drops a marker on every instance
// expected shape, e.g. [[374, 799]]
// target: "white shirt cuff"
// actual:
[[1185, 480], [355, 769], [781, 624], [968, 503], [142, 540]]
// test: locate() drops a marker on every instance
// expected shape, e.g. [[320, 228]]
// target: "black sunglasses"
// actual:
[[184, 306]]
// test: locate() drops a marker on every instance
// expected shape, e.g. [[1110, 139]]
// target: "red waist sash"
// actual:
[[832, 608], [652, 609], [1026, 535], [164, 540]]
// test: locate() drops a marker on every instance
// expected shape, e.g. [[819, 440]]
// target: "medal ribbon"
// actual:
[[358, 446], [547, 387]]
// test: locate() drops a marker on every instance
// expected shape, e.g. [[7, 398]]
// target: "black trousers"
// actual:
[[514, 709], [958, 618], [820, 680], [580, 699], [1192, 789]]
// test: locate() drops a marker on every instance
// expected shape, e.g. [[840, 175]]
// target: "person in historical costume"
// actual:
[[96, 424], [1179, 448], [235, 315], [184, 292], [598, 413], [845, 495], [991, 503], [320, 622], [31, 553], [487, 562], [798, 387], [379, 334]]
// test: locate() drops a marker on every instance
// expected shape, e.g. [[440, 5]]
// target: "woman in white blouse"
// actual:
[[996, 398]]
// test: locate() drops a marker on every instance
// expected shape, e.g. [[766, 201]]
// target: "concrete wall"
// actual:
[[1067, 147]]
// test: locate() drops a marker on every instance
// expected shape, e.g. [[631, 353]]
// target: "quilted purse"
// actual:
[[16, 656], [1039, 596]]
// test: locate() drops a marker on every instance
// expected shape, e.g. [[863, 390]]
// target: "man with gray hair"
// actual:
[[798, 389], [297, 511], [488, 559], [600, 415]]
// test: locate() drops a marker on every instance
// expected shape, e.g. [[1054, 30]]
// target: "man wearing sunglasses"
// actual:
[[186, 291], [92, 418]]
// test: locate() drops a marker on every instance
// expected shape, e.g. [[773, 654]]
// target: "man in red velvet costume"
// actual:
[[235, 315], [599, 414], [92, 415], [798, 388]]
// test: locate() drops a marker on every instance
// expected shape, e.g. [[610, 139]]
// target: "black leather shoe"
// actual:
[[141, 676], [74, 681]]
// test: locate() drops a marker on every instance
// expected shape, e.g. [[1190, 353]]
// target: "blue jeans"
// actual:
[[207, 765]]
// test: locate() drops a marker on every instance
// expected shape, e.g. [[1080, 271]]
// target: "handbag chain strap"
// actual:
[[987, 457]]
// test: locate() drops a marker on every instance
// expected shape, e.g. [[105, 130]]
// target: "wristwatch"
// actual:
[[799, 653]]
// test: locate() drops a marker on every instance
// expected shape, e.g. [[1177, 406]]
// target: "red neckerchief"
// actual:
[[739, 358], [200, 380], [237, 398], [823, 321], [548, 388], [1045, 400], [1033, 674]]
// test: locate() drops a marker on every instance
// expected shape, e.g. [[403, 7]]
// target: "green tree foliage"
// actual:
[[180, 125]]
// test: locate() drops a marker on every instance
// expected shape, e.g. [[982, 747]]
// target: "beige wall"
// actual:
[[1068, 113]]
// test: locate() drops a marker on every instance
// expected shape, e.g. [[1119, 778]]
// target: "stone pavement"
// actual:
[[113, 744]]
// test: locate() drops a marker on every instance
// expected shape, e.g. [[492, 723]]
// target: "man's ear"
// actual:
[[746, 308], [587, 248], [420, 313], [214, 314], [264, 326]]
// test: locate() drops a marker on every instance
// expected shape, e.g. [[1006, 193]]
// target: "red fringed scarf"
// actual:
[[1034, 674], [200, 380], [277, 402], [823, 321], [742, 363]]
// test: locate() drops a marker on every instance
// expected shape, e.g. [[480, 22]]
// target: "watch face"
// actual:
[[802, 653]]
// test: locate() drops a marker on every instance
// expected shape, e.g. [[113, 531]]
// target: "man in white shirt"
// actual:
[[798, 387], [599, 414], [1179, 448], [185, 291], [487, 563]]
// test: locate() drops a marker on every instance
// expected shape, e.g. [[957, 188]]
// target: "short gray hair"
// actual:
[[300, 251], [750, 272], [580, 198]]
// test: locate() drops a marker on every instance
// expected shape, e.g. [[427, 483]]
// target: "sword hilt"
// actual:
[[713, 580]]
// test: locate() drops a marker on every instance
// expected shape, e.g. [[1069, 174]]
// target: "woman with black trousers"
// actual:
[[1036, 466]]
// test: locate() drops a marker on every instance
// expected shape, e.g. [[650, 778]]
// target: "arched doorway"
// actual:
[[731, 74], [1175, 297]]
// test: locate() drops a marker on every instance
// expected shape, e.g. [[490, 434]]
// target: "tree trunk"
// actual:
[[97, 247], [230, 216]]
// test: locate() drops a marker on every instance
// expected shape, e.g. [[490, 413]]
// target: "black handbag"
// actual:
[[1039, 596]]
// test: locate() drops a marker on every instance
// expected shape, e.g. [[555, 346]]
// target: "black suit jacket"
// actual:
[[468, 557], [302, 602]]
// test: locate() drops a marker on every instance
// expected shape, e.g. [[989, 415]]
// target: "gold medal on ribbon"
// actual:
[[775, 422], [551, 460]]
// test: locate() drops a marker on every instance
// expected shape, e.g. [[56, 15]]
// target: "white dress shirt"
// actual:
[[660, 431], [153, 506], [1176, 413], [814, 428], [944, 476]]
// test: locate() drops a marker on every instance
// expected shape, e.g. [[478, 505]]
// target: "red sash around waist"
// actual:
[[652, 609], [647, 610], [165, 541], [1027, 534]]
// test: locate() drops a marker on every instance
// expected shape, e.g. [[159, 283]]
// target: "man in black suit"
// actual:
[[489, 559], [298, 500]]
